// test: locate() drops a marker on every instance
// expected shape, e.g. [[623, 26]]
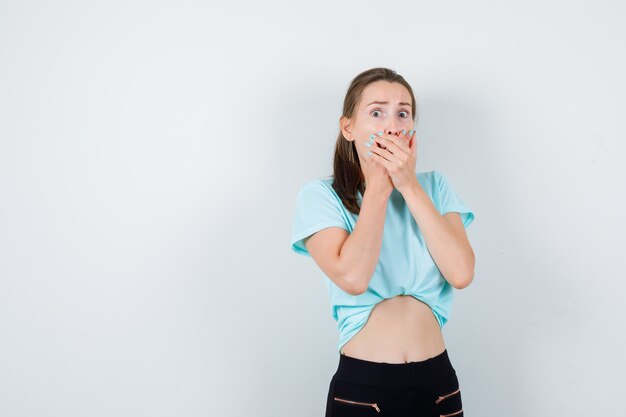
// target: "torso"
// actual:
[[399, 329]]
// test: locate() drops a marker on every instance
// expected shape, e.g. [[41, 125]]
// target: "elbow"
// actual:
[[356, 289], [464, 279], [359, 291], [462, 283], [350, 280], [353, 285]]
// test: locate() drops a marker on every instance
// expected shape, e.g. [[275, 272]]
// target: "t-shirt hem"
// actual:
[[296, 244], [467, 215]]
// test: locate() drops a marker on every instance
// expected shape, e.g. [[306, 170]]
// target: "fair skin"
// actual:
[[399, 329], [393, 165]]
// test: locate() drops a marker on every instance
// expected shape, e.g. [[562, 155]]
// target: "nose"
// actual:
[[392, 129]]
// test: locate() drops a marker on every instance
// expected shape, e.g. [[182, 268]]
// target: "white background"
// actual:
[[151, 152]]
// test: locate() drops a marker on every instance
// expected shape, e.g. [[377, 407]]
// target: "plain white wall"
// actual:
[[151, 153]]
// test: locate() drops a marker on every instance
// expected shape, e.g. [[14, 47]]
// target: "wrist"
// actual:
[[413, 187], [379, 195]]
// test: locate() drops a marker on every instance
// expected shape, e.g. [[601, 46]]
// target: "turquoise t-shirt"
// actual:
[[404, 266]]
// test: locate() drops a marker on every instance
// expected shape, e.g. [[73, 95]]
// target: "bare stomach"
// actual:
[[399, 329]]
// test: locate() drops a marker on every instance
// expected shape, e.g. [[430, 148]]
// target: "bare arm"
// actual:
[[445, 237], [347, 259]]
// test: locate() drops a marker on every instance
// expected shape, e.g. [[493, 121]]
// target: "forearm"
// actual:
[[450, 250], [361, 251]]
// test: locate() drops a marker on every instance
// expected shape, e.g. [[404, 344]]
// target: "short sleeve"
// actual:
[[450, 201], [317, 207]]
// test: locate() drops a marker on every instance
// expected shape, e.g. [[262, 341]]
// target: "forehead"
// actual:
[[394, 93]]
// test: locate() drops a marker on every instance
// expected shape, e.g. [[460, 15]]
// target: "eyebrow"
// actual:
[[386, 102]]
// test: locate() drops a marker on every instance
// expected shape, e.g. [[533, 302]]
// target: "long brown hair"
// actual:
[[348, 178]]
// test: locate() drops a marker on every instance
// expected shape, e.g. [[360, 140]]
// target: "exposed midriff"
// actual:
[[399, 329]]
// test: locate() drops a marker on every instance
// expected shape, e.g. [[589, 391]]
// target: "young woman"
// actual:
[[392, 244]]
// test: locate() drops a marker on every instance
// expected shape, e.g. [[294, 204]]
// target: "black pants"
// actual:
[[424, 388]]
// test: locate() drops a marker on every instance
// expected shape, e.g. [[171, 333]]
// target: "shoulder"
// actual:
[[425, 174], [433, 178], [318, 190], [321, 184], [429, 180]]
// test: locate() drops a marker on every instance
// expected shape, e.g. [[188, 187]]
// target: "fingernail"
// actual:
[[379, 133], [369, 153], [411, 132], [368, 144], [404, 131]]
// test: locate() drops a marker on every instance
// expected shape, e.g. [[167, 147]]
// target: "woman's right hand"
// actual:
[[377, 177]]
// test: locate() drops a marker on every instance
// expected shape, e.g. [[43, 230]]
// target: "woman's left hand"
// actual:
[[399, 157]]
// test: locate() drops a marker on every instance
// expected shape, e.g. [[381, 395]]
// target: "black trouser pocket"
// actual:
[[353, 400], [447, 397]]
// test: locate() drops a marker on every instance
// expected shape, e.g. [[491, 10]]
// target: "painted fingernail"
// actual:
[[404, 131], [368, 144], [379, 133], [411, 132], [369, 153]]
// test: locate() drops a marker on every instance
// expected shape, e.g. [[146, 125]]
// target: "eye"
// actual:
[[407, 114], [373, 111]]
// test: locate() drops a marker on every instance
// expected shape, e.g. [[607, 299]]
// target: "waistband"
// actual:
[[394, 375]]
